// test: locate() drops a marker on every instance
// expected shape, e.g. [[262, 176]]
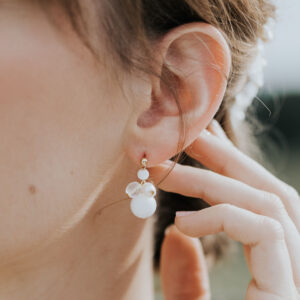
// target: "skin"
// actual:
[[59, 167], [71, 140], [248, 203]]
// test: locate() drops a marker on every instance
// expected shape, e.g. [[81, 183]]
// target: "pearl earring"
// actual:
[[143, 204]]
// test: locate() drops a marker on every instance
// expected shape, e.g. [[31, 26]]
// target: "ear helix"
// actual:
[[143, 203]]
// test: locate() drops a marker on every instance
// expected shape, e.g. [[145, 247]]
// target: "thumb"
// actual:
[[183, 267]]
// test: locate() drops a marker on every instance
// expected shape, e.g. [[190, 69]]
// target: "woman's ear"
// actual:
[[197, 57]]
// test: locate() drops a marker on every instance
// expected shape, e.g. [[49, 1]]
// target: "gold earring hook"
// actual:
[[144, 162]]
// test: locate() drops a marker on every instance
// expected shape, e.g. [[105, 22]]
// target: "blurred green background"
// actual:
[[229, 278]]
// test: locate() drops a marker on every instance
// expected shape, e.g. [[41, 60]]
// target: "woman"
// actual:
[[88, 89]]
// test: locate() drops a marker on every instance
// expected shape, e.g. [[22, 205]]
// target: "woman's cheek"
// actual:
[[54, 118]]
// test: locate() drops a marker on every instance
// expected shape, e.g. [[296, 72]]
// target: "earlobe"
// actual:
[[197, 59]]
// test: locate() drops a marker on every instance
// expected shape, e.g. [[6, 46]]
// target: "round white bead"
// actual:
[[143, 174], [133, 189], [148, 189], [143, 207]]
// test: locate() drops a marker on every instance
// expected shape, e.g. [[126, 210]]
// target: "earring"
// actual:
[[142, 204]]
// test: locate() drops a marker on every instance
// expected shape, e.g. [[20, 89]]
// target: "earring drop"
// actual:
[[142, 204]]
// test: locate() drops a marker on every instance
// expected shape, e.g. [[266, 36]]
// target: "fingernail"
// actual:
[[184, 213], [168, 163], [205, 132], [168, 228], [215, 122]]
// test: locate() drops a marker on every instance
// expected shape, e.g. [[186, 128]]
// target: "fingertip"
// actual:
[[173, 231], [168, 229], [173, 234], [165, 164], [205, 133], [178, 223], [182, 224], [157, 172]]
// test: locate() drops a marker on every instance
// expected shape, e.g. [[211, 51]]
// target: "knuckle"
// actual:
[[225, 207], [291, 192], [272, 228], [222, 169], [273, 202]]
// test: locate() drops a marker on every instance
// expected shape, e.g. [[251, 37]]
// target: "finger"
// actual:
[[183, 268], [215, 128], [217, 189], [255, 293], [226, 159], [270, 264]]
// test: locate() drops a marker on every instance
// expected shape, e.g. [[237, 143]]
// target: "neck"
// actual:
[[106, 255]]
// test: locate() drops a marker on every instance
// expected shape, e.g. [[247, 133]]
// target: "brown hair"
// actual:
[[131, 28]]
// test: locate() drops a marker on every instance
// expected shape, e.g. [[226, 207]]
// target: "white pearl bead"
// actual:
[[148, 189], [133, 189], [143, 174], [143, 207]]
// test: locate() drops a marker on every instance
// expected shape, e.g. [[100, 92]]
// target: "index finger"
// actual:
[[226, 159]]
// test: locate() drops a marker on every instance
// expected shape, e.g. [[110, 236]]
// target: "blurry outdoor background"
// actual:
[[229, 279]]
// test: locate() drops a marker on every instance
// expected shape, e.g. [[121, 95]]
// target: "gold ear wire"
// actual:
[[144, 161]]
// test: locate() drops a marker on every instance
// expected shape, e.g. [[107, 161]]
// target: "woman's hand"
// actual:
[[248, 203]]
